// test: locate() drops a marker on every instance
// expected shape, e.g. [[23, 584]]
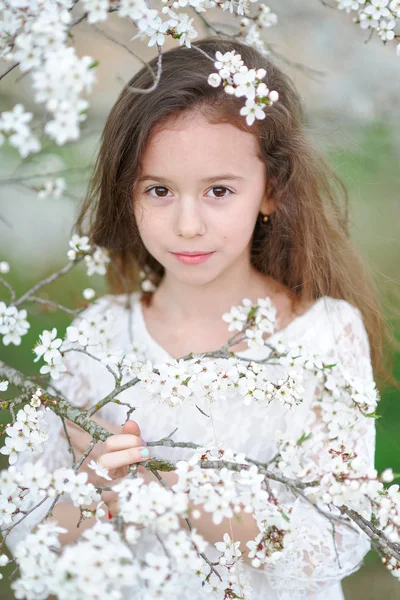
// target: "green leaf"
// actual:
[[373, 415], [304, 437]]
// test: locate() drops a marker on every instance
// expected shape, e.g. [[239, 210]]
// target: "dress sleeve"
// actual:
[[321, 552], [84, 382]]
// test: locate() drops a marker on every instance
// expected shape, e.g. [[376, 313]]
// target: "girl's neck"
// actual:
[[184, 303]]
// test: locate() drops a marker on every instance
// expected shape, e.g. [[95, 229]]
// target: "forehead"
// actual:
[[195, 143]]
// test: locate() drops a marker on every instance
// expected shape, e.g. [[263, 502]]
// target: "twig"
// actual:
[[11, 527], [156, 78], [49, 280], [116, 378], [372, 532], [42, 175], [70, 446], [7, 71], [85, 454], [69, 311], [9, 288]]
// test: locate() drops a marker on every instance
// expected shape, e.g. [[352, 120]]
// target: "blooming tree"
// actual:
[[35, 36]]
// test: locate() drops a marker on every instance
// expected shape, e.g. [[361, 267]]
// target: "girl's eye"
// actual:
[[221, 187], [156, 187]]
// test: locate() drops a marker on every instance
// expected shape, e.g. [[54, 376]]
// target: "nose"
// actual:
[[190, 219]]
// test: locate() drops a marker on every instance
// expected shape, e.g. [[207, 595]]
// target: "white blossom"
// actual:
[[78, 245], [48, 346], [99, 470], [88, 293], [52, 187], [15, 123], [54, 367], [97, 262], [13, 324], [97, 10], [4, 267]]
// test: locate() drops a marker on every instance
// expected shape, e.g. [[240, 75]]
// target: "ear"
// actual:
[[268, 204]]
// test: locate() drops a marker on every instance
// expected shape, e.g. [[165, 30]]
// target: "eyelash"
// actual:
[[214, 187]]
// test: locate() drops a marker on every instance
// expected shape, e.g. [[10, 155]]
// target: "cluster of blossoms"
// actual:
[[95, 262], [381, 16], [52, 187], [15, 124], [178, 381], [36, 35], [85, 335], [252, 29], [99, 566], [182, 381], [261, 319], [225, 493], [91, 336], [239, 80], [28, 431], [13, 324], [22, 489]]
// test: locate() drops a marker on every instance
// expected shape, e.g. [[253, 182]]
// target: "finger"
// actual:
[[132, 427], [109, 496], [121, 442], [80, 439], [122, 458]]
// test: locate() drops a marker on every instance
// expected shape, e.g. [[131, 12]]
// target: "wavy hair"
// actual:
[[306, 245]]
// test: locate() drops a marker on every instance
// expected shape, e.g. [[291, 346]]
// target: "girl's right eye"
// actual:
[[156, 187]]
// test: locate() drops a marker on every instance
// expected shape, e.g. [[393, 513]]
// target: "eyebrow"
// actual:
[[205, 180]]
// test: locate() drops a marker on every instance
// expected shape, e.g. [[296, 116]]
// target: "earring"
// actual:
[[265, 218]]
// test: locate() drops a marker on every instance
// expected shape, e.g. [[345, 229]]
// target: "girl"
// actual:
[[213, 210]]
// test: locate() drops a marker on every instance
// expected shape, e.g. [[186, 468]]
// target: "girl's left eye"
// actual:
[[221, 187]]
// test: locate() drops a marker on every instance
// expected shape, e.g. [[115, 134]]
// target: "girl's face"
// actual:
[[200, 191]]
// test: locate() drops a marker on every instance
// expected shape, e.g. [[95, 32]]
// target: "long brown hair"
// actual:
[[306, 245]]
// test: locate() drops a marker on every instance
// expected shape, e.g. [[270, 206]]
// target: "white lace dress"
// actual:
[[334, 329]]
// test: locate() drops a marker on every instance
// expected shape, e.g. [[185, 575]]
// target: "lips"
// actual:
[[193, 258], [191, 253]]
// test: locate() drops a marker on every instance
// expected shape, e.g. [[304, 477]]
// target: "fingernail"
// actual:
[[144, 452]]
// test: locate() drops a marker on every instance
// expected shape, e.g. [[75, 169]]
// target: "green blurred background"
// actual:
[[357, 128]]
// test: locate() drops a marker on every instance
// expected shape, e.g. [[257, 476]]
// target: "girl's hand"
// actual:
[[119, 452], [80, 441]]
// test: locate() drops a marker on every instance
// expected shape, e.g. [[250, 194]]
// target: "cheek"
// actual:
[[143, 220], [239, 229]]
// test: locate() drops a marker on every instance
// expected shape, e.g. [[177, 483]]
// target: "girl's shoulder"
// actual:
[[339, 331], [327, 326], [342, 316]]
